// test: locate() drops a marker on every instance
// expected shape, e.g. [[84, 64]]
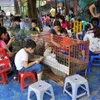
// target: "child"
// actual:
[[80, 35], [35, 28], [66, 41], [54, 33], [22, 60]]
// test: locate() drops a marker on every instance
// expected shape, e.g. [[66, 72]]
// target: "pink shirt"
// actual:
[[2, 44], [64, 25]]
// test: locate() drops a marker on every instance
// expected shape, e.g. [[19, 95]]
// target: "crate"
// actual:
[[69, 59]]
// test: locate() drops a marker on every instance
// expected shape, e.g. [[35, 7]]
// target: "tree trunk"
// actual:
[[17, 8], [32, 9], [66, 8]]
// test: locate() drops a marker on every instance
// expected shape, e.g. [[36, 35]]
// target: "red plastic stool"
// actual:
[[3, 76], [5, 65], [23, 75]]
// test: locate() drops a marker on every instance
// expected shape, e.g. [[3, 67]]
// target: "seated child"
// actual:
[[35, 28], [66, 41]]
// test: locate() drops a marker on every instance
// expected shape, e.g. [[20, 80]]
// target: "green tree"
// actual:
[[85, 3], [29, 8]]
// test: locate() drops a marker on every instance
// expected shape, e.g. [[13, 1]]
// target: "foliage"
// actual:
[[20, 38], [84, 9]]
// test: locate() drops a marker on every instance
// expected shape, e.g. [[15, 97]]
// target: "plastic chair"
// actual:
[[76, 81], [23, 75], [94, 61], [3, 76], [4, 65], [40, 88]]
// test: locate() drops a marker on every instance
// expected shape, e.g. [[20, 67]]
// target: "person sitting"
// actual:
[[3, 37], [66, 41], [6, 44], [35, 28], [64, 33], [88, 29], [63, 22], [22, 60], [94, 39], [25, 24], [17, 22], [48, 21], [54, 32]]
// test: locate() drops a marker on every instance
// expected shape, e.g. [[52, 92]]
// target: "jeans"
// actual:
[[92, 54], [37, 68]]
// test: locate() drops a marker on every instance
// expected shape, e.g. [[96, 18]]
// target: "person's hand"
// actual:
[[41, 58], [58, 33], [12, 39], [98, 52], [97, 16], [58, 45], [11, 54], [37, 62], [78, 41]]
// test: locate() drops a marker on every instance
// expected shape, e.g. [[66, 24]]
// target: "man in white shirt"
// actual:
[[22, 60]]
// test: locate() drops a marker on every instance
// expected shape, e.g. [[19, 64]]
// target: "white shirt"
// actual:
[[25, 25], [21, 56], [94, 42]]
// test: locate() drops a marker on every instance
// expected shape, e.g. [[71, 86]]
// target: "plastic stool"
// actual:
[[94, 60], [23, 75], [3, 76], [40, 88], [76, 81]]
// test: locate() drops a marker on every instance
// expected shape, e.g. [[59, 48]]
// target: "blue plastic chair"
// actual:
[[94, 61]]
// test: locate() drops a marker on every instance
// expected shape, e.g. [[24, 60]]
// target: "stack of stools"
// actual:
[[76, 81], [39, 88]]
